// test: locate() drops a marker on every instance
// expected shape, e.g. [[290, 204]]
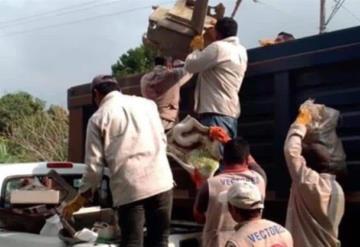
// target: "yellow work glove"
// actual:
[[73, 206], [304, 117], [267, 42], [197, 43]]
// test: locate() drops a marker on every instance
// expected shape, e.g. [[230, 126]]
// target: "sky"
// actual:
[[48, 46]]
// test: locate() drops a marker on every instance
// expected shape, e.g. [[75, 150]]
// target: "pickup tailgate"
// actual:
[[16, 239]]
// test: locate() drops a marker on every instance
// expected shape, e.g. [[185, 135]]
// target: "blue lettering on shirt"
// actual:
[[257, 236], [265, 233], [231, 181]]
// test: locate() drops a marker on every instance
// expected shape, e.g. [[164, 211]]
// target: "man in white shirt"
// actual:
[[317, 201], [238, 166], [162, 85], [125, 134], [245, 205], [221, 68]]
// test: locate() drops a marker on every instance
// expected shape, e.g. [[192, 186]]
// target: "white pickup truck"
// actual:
[[12, 176]]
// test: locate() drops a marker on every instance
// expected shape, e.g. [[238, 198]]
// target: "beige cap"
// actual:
[[100, 79], [244, 195]]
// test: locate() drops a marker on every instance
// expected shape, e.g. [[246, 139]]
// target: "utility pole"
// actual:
[[322, 16]]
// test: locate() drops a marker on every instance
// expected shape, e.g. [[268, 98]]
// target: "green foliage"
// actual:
[[16, 106], [42, 136], [5, 156], [30, 132], [134, 61]]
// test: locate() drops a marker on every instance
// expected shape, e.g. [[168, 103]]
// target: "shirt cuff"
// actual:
[[298, 129]]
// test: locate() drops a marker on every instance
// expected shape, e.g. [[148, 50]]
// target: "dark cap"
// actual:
[[100, 79]]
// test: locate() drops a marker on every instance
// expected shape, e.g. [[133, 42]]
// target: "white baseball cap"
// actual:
[[244, 195]]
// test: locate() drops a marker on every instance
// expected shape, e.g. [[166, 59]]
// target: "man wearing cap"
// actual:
[[316, 203], [221, 69], [245, 205], [238, 166], [125, 134], [162, 85]]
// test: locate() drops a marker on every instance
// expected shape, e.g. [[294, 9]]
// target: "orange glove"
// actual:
[[197, 43], [73, 206], [219, 134], [304, 117], [197, 178], [267, 42]]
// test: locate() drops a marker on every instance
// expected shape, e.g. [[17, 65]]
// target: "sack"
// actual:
[[322, 130], [191, 147], [52, 226]]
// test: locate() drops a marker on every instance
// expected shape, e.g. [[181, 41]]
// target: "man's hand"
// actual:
[[73, 206], [304, 117], [197, 43], [219, 134]]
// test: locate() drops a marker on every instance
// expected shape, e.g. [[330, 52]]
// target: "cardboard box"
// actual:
[[34, 197], [86, 217]]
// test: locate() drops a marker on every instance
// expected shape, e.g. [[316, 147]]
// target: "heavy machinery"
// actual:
[[170, 31]]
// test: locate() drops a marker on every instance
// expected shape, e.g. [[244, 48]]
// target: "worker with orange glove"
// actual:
[[316, 203], [125, 135], [221, 68], [238, 166]]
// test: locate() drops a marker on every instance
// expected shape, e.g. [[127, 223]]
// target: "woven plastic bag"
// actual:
[[322, 130]]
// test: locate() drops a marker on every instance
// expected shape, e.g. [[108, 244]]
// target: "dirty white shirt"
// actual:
[[125, 134], [162, 85], [316, 203], [219, 225], [221, 67], [260, 233]]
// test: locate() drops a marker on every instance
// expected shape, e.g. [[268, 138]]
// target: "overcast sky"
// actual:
[[47, 46]]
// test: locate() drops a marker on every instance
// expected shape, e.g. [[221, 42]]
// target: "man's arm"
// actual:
[[292, 150], [253, 165], [93, 173], [168, 78], [201, 203], [199, 61], [94, 159]]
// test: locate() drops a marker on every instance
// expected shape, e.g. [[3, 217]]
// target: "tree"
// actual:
[[42, 136], [29, 131], [5, 156], [134, 61], [16, 106]]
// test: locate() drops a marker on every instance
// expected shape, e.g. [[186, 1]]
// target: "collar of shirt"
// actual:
[[239, 225], [328, 175], [232, 39], [235, 168], [158, 68], [109, 96]]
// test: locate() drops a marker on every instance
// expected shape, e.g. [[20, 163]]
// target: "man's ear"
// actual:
[[96, 92], [233, 212], [97, 97], [247, 160]]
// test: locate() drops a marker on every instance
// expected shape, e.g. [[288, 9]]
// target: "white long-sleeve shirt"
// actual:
[[125, 134], [162, 85], [316, 203], [221, 67], [260, 233]]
